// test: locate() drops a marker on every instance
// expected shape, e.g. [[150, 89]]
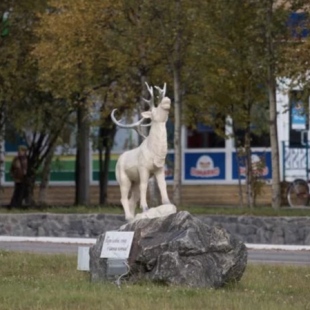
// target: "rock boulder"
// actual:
[[178, 249]]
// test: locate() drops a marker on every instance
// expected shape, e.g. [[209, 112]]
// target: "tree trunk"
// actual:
[[238, 159], [106, 143], [249, 170], [30, 180], [240, 191], [276, 188], [83, 157], [76, 176], [102, 172], [45, 176], [2, 133], [271, 88], [177, 178]]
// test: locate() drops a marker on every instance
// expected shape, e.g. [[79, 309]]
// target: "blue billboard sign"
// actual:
[[261, 165], [298, 116], [203, 166]]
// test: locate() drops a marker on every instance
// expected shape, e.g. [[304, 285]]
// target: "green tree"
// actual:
[[229, 80], [175, 23], [273, 19], [243, 53], [84, 55], [27, 108], [74, 63], [141, 58]]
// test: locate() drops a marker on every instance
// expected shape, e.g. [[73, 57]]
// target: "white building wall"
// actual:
[[293, 160]]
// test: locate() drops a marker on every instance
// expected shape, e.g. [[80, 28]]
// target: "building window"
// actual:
[[257, 140], [204, 137], [298, 25]]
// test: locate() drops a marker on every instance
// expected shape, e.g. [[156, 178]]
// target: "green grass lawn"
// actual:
[[34, 281], [258, 211]]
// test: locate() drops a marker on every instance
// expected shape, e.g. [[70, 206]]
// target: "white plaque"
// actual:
[[117, 244], [83, 258]]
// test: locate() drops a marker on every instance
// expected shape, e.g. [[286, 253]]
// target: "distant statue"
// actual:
[[134, 168]]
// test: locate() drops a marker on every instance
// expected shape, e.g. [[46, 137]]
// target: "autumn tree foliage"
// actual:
[[29, 109], [244, 54], [61, 58]]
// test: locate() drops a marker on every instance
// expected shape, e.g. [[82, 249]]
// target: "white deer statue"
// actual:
[[134, 168]]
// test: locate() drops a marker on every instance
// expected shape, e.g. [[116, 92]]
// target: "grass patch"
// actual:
[[67, 210], [212, 210], [34, 281], [258, 211]]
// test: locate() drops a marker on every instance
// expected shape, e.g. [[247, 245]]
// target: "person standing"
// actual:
[[18, 173]]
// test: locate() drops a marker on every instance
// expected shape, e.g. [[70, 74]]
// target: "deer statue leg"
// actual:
[[134, 198], [124, 184], [125, 188], [144, 178], [161, 182]]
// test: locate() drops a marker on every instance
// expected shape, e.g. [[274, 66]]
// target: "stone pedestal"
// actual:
[[178, 249]]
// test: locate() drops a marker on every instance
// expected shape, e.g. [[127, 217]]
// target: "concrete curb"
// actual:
[[48, 240], [91, 241]]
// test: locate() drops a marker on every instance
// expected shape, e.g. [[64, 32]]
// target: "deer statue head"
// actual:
[[158, 114]]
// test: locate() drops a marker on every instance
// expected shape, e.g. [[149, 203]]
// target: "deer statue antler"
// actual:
[[136, 126], [151, 101], [162, 92]]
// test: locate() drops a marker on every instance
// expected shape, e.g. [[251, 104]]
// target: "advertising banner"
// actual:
[[203, 166], [261, 165], [298, 115]]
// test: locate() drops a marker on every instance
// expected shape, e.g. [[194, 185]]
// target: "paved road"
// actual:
[[254, 256], [279, 257]]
